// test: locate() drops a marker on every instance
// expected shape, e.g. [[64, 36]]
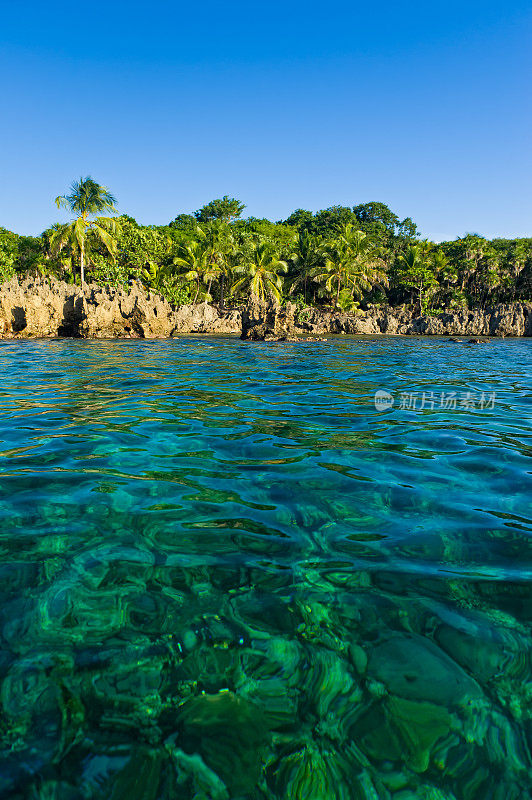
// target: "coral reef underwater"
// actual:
[[155, 678], [225, 576]]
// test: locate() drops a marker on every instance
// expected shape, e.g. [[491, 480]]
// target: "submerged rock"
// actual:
[[231, 735], [414, 668], [312, 774]]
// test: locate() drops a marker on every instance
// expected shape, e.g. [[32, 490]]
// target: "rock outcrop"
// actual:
[[204, 318], [268, 320], [511, 319], [44, 307]]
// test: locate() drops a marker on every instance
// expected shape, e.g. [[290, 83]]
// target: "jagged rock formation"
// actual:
[[511, 319], [268, 321], [44, 307], [204, 318]]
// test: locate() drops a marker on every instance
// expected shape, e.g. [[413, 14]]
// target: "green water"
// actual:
[[225, 575]]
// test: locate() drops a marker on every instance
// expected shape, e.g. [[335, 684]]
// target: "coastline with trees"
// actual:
[[341, 260]]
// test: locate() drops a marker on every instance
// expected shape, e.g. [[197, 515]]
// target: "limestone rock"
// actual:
[[204, 318], [268, 320], [45, 307], [510, 319]]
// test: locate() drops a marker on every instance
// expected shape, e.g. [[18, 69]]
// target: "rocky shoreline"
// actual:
[[38, 307], [41, 307]]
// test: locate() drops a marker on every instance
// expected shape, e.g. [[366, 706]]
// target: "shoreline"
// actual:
[[44, 308]]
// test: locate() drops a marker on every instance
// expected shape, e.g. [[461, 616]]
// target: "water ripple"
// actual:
[[224, 574]]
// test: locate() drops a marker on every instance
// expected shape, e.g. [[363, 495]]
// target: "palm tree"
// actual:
[[308, 257], [352, 262], [195, 260], [154, 274], [367, 265], [416, 270], [86, 199], [262, 272], [223, 248], [517, 261]]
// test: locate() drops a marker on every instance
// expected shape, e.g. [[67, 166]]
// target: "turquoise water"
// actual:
[[225, 575]]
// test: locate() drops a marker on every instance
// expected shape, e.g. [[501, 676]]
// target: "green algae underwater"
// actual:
[[225, 575]]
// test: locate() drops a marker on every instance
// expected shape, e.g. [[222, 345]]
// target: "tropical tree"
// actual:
[[446, 276], [329, 221], [309, 255], [352, 262], [516, 257], [196, 263], [184, 222], [154, 275], [262, 272], [416, 271], [87, 199], [222, 250], [9, 247], [300, 218], [225, 209]]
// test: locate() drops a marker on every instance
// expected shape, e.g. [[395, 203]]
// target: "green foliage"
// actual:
[[185, 223], [225, 209], [154, 275], [262, 273], [416, 270], [340, 255], [345, 301], [352, 265], [196, 265], [310, 254], [137, 246], [9, 244], [86, 199], [177, 293], [377, 219], [280, 236], [300, 218], [18, 254]]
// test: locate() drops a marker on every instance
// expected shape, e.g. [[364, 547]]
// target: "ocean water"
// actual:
[[225, 574]]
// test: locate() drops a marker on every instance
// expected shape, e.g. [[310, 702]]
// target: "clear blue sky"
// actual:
[[425, 106]]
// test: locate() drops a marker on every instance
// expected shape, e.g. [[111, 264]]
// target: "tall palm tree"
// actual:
[[195, 260], [87, 200], [353, 262], [262, 272], [367, 268], [223, 248], [309, 255]]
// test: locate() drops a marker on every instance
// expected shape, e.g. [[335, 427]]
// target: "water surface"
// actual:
[[225, 575]]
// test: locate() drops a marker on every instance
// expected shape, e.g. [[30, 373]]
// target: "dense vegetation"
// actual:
[[341, 257]]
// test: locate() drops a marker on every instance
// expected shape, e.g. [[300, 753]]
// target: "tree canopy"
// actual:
[[87, 201], [340, 256], [225, 209]]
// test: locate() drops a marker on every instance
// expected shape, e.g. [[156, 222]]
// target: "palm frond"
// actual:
[[105, 236], [87, 198]]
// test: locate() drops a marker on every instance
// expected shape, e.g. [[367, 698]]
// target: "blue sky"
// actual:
[[423, 106]]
